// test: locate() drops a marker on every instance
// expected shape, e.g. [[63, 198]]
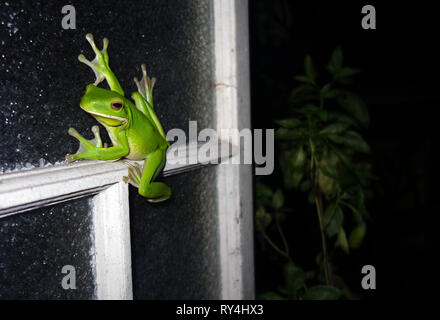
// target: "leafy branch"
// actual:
[[322, 153]]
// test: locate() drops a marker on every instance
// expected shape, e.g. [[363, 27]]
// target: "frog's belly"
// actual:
[[135, 156], [142, 142], [136, 153], [139, 150]]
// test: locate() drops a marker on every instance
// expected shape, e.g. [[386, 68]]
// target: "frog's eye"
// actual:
[[117, 105]]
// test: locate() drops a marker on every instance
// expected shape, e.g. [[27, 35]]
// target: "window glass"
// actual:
[[36, 245]]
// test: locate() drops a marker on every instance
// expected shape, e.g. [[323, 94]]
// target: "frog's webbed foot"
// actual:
[[85, 144], [134, 173], [146, 85], [99, 64]]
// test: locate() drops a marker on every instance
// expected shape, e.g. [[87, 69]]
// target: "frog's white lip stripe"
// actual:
[[105, 115]]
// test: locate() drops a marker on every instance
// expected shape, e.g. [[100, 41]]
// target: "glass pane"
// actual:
[[174, 243], [34, 247]]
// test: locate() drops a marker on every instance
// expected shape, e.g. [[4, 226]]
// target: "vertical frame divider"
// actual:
[[111, 224], [234, 182]]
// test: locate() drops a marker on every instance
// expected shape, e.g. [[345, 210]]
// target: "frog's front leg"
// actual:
[[100, 65], [154, 191], [88, 150]]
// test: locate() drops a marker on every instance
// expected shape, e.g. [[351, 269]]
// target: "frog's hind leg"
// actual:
[[146, 105], [146, 85], [154, 191]]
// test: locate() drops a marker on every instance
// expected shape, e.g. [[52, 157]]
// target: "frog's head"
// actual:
[[108, 107]]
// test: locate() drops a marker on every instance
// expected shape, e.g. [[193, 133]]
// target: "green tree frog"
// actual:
[[134, 129]]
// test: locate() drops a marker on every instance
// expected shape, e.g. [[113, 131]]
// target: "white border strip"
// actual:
[[234, 184]]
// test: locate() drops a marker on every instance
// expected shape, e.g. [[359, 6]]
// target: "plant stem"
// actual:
[[327, 272], [275, 247], [283, 237], [314, 171]]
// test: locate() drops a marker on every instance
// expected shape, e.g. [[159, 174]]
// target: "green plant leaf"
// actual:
[[260, 213], [329, 212], [287, 169], [326, 88], [329, 171], [267, 220], [347, 72], [333, 219], [335, 63], [310, 70], [263, 191], [335, 138], [325, 182], [355, 141], [341, 154], [354, 106], [289, 123], [342, 241], [305, 185], [278, 199], [304, 79], [262, 220], [302, 93], [321, 292], [326, 177], [311, 197], [340, 117], [297, 177], [312, 110], [299, 157], [294, 278], [334, 128], [357, 215], [288, 134], [331, 94], [357, 236], [270, 295]]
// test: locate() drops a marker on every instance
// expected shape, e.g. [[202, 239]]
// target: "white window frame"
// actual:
[[35, 188], [234, 184]]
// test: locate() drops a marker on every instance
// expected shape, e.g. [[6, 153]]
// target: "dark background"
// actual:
[[398, 82]]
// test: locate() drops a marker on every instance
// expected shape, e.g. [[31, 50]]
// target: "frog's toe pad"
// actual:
[[69, 158], [164, 197], [130, 181], [158, 199], [146, 84]]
